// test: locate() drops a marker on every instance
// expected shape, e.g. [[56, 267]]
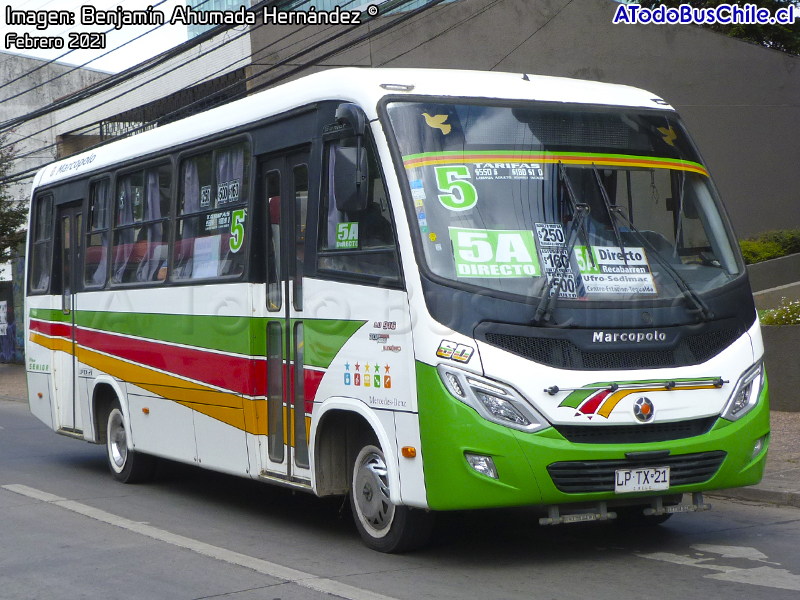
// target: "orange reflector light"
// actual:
[[408, 451], [39, 394], [146, 410]]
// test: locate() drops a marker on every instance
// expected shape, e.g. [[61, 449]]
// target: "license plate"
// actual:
[[641, 480]]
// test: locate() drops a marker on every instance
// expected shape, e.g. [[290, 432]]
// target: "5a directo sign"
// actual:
[[724, 14]]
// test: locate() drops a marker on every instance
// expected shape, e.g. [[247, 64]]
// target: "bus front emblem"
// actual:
[[643, 410]]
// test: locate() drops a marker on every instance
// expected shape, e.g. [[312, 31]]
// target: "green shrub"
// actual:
[[788, 313], [770, 244]]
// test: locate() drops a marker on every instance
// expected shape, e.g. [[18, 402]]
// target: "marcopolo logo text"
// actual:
[[628, 336]]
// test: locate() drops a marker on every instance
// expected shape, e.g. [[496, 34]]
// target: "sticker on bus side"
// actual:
[[494, 253], [347, 236], [454, 351]]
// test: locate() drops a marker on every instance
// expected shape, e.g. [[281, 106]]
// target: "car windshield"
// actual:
[[495, 189]]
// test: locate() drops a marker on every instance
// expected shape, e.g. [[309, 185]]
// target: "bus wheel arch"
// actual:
[[339, 430], [112, 427], [104, 394], [353, 454]]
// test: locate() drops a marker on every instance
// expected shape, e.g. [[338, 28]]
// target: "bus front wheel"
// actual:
[[384, 526], [126, 465]]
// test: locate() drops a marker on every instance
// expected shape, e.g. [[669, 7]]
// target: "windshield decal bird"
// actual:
[[437, 122]]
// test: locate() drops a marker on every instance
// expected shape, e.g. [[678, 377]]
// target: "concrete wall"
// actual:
[[213, 58], [71, 80], [780, 358], [741, 101]]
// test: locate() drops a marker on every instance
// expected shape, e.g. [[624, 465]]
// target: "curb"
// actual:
[[756, 494], [13, 399]]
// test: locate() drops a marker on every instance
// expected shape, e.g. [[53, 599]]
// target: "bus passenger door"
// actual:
[[69, 249], [284, 184]]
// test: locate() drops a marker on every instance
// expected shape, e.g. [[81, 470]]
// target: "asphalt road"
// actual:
[[68, 530]]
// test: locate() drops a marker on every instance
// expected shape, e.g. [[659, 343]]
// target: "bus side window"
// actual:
[[361, 242], [41, 244], [96, 263], [140, 233], [212, 213]]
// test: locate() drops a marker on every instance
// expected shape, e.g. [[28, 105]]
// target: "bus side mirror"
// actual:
[[350, 178], [352, 116]]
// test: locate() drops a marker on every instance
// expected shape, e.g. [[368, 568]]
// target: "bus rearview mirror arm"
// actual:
[[350, 164]]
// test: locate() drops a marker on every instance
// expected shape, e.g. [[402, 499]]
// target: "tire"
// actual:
[[126, 465], [384, 526], [634, 517]]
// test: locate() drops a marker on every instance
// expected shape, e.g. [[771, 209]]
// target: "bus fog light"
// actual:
[[502, 409], [758, 446], [482, 464]]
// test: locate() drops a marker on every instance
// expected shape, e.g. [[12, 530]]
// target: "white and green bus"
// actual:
[[430, 290]]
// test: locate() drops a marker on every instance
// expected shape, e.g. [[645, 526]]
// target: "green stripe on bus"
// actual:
[[231, 334], [47, 314]]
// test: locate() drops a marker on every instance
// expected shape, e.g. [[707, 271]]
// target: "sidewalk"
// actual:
[[780, 485], [12, 383]]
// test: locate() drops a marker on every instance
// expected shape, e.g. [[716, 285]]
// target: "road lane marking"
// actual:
[[765, 576], [687, 561], [734, 552], [320, 584], [761, 576]]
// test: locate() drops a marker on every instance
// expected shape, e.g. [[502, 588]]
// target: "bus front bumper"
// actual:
[[450, 430]]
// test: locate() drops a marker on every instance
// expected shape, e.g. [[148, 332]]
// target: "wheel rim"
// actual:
[[371, 495], [117, 441]]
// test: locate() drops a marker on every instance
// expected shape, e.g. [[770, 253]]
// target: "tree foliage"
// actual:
[[785, 38], [13, 213]]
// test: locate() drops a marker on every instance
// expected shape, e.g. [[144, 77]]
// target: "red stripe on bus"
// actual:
[[311, 381], [227, 372], [52, 329], [590, 406]]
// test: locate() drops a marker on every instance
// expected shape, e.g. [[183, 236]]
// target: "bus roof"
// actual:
[[363, 86]]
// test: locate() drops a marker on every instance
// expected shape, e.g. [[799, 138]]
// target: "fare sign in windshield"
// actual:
[[615, 271]]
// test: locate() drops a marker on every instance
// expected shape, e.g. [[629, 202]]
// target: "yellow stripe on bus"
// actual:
[[232, 409], [618, 396]]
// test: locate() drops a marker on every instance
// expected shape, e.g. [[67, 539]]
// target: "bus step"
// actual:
[[696, 505], [69, 432], [600, 513]]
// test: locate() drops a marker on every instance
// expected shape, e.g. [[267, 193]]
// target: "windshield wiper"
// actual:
[[685, 288], [579, 212], [609, 208]]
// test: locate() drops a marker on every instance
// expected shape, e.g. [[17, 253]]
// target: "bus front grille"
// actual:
[[580, 477], [564, 354], [636, 434]]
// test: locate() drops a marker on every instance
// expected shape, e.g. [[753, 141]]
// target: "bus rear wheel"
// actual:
[[384, 526], [125, 464]]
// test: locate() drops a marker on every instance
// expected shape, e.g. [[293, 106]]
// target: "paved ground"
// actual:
[[68, 530], [781, 483]]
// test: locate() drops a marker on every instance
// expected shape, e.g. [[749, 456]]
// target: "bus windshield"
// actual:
[[496, 191]]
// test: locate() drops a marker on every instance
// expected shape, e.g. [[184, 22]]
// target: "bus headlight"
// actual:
[[493, 401], [746, 393]]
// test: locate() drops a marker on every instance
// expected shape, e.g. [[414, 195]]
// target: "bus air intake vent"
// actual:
[[563, 354], [581, 477], [635, 434]]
